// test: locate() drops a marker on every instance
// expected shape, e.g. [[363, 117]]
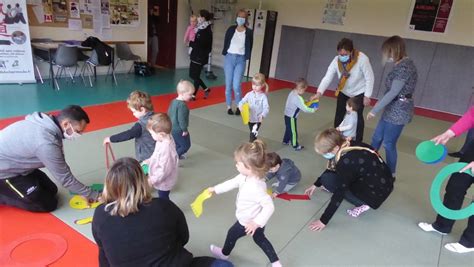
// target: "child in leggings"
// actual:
[[254, 204], [258, 103]]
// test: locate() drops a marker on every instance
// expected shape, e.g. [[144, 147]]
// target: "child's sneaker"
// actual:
[[217, 252], [427, 227], [276, 264], [458, 248], [298, 148], [237, 111], [285, 143], [184, 156], [230, 112], [357, 211]]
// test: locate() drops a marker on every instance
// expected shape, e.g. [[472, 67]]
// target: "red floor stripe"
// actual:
[[438, 115]]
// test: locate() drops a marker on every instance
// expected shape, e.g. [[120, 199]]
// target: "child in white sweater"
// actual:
[[254, 204], [258, 103], [348, 126]]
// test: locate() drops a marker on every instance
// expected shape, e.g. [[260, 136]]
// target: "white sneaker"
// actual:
[[217, 252], [276, 264], [427, 227], [458, 248]]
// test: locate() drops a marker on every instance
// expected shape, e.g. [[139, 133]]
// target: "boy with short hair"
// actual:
[[141, 107], [294, 104], [286, 172], [348, 126], [179, 114]]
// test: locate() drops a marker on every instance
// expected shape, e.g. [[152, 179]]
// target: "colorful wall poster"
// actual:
[[430, 15], [16, 61], [124, 12]]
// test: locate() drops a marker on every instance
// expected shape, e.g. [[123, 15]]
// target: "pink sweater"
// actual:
[[253, 202], [465, 123], [163, 165], [190, 34]]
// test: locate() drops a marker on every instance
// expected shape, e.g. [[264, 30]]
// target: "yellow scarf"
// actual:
[[345, 71]]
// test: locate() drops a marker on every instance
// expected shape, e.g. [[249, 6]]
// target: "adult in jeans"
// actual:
[[355, 172], [397, 102], [356, 79], [201, 47], [456, 189], [237, 50], [34, 143], [133, 229]]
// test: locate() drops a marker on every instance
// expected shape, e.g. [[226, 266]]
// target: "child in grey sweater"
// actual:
[[348, 126], [286, 172]]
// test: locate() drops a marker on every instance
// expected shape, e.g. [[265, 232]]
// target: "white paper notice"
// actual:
[[75, 24], [39, 13], [106, 21]]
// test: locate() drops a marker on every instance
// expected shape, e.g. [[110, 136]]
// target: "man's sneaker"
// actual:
[[357, 211], [206, 93], [427, 227], [237, 111], [458, 248], [217, 252], [230, 112], [298, 148]]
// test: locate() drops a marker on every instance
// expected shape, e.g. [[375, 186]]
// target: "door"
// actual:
[[165, 23]]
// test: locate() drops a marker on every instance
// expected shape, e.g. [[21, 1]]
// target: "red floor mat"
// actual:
[[16, 223]]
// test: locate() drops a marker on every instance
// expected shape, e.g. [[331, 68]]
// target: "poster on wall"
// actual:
[[124, 12], [430, 15], [335, 12], [60, 10], [16, 62]]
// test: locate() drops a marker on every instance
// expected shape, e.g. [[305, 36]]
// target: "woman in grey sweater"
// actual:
[[397, 102]]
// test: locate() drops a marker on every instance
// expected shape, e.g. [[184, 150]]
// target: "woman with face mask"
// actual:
[[355, 79], [355, 172], [237, 50], [201, 48], [397, 102]]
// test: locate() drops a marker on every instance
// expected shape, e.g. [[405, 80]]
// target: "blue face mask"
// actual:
[[240, 21], [329, 155], [344, 58]]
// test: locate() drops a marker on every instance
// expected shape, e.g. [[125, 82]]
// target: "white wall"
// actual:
[[374, 17], [119, 33]]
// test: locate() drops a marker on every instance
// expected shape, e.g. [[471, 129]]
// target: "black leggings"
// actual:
[[33, 192], [456, 189], [237, 231], [195, 74]]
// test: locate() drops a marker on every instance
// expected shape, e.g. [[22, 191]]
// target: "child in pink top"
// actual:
[[465, 123], [163, 163], [254, 204], [190, 32]]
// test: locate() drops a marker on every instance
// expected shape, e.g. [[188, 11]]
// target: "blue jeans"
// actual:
[[183, 143], [388, 134], [234, 66]]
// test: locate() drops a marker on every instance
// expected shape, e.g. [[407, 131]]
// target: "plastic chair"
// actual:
[[125, 54], [66, 57], [40, 55], [93, 62]]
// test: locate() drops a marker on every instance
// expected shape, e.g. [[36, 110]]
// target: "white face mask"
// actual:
[[73, 136]]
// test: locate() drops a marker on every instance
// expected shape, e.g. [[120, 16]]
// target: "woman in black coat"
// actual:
[[355, 172], [133, 229], [201, 48]]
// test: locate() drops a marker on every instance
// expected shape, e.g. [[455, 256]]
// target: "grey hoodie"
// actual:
[[288, 173], [34, 143]]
